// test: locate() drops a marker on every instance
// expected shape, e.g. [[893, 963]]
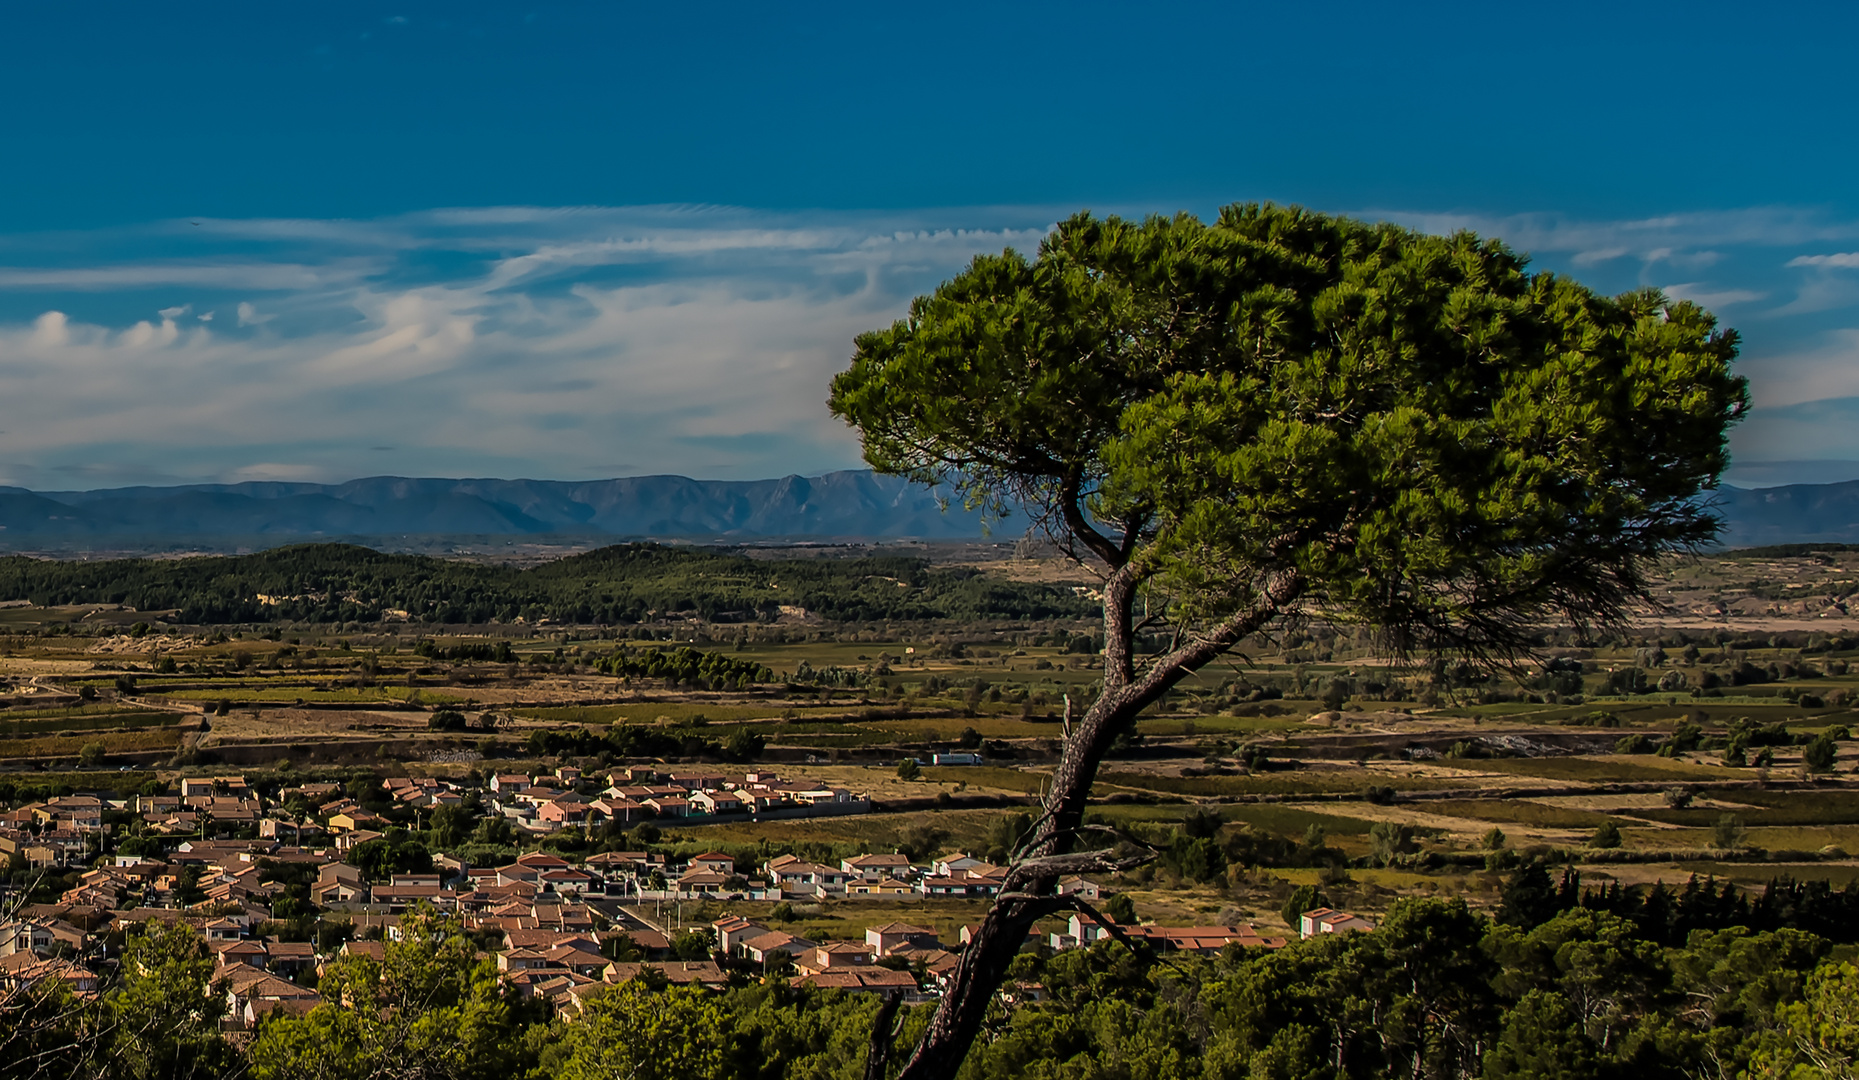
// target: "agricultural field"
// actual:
[[1716, 742]]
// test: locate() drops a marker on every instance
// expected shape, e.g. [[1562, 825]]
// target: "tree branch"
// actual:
[[883, 1031], [1071, 493]]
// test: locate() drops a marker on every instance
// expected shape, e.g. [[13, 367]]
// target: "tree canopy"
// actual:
[[1413, 430], [1281, 415]]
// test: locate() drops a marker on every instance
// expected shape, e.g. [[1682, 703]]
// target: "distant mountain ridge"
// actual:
[[838, 504], [846, 504], [1791, 514]]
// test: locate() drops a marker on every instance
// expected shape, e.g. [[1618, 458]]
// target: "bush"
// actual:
[[1678, 797], [1378, 795], [1607, 836], [446, 720], [1634, 744], [1389, 841], [1820, 754], [1303, 898], [908, 769]]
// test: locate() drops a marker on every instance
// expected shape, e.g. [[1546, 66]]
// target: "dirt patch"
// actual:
[[143, 646], [1373, 719], [14, 665], [288, 724]]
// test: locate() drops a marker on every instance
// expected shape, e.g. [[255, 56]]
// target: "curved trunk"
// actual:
[[1029, 892]]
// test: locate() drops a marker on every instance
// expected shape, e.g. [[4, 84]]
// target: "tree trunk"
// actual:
[[1028, 894]]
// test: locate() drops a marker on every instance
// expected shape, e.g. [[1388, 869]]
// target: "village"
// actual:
[[244, 868]]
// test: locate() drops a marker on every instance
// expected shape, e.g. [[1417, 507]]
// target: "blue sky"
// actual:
[[582, 240]]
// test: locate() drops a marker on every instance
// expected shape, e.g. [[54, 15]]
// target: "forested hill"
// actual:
[[622, 584]]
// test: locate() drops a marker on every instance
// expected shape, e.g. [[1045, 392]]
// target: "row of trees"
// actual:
[[1439, 991], [685, 665]]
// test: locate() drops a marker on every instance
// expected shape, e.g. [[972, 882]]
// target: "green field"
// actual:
[[839, 837], [1603, 769], [343, 695], [127, 720], [674, 712], [1518, 812], [1771, 808], [1287, 821], [113, 742], [989, 776], [1289, 782], [1219, 725]]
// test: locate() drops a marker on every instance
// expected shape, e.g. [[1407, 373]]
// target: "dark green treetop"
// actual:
[[1414, 430]]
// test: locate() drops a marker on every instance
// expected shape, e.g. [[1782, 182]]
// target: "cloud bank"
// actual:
[[589, 342]]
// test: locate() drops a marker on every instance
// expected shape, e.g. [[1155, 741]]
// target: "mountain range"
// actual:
[[836, 505]]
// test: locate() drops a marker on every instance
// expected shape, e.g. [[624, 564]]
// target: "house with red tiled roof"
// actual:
[[1330, 921], [860, 980], [704, 973], [762, 947], [670, 806], [876, 867], [834, 955], [261, 994], [713, 861], [719, 802], [892, 936]]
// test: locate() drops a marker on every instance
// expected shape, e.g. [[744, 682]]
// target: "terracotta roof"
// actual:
[[859, 979]]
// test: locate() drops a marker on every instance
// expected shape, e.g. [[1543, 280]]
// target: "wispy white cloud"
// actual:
[[563, 341], [1704, 295], [502, 341], [264, 277], [1845, 260]]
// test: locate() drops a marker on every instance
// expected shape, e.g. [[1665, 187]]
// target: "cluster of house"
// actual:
[[57, 832], [218, 802], [553, 943], [639, 793], [65, 831], [542, 804], [1208, 940]]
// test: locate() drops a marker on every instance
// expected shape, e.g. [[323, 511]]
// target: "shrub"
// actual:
[[446, 720], [1820, 754], [1303, 898]]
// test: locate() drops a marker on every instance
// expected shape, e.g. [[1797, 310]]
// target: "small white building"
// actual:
[[1330, 921]]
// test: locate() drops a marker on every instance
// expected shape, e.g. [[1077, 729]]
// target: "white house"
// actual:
[[1329, 921]]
